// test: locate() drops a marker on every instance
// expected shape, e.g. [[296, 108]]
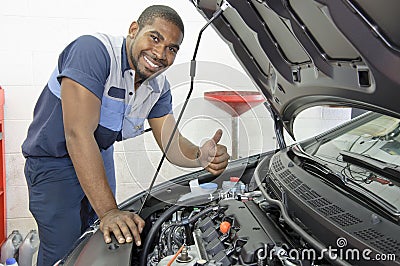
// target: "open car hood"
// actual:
[[303, 53]]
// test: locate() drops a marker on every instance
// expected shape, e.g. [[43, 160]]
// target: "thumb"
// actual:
[[217, 136]]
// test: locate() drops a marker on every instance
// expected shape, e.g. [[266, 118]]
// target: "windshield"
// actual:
[[377, 138]]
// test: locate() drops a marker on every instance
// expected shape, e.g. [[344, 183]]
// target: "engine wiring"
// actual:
[[359, 176]]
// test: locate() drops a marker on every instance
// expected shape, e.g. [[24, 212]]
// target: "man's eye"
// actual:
[[155, 38], [173, 50]]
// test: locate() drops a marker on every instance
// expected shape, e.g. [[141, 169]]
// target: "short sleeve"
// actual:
[[164, 104], [87, 62]]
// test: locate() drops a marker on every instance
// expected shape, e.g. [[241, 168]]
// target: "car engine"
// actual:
[[232, 229]]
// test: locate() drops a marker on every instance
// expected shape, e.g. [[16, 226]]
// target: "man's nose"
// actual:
[[159, 51]]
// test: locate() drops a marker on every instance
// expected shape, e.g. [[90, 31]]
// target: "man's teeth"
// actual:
[[150, 63]]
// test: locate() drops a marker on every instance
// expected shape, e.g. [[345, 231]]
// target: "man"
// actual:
[[100, 92]]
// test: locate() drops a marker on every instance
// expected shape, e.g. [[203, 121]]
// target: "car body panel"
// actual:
[[307, 53]]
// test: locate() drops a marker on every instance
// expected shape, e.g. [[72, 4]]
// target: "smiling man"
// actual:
[[102, 90]]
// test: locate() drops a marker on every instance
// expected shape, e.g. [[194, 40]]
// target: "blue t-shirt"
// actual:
[[99, 63]]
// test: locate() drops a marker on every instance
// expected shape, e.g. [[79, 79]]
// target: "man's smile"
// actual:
[[152, 64]]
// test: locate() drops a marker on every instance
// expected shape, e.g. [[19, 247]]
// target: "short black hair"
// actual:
[[159, 11]]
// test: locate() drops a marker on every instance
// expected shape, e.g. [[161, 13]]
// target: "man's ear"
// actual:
[[133, 29]]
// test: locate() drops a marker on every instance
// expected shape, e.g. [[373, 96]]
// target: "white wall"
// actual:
[[34, 32]]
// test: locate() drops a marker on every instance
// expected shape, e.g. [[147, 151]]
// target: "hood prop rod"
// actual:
[[216, 14], [278, 124]]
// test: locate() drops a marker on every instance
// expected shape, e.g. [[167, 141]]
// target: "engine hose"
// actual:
[[153, 232], [202, 199], [197, 216]]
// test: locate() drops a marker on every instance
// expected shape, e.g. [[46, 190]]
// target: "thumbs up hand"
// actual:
[[213, 156]]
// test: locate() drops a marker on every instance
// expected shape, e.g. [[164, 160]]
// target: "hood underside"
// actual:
[[303, 53]]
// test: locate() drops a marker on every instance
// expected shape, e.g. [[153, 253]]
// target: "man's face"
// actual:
[[153, 47]]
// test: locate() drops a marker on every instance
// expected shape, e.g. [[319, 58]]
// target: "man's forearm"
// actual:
[[184, 153], [89, 168]]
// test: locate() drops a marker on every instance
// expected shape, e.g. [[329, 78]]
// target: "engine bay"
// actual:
[[231, 230], [276, 213]]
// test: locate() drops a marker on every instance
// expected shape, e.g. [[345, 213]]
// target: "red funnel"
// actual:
[[234, 103]]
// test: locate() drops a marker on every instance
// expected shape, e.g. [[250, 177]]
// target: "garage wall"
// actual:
[[34, 32]]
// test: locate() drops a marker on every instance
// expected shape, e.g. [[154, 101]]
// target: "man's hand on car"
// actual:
[[123, 224]]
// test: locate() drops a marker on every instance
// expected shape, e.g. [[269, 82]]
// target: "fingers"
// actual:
[[106, 235], [215, 171], [214, 156], [219, 162], [136, 223], [118, 229], [209, 147], [125, 226], [128, 228], [221, 151], [139, 221], [219, 156], [217, 136], [216, 168]]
